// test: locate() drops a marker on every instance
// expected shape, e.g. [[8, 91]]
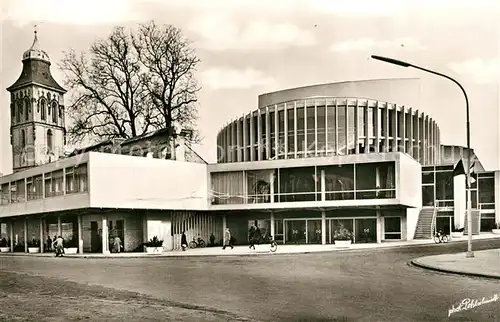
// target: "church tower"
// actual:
[[37, 132]]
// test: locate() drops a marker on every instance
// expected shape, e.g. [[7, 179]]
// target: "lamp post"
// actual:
[[470, 253]]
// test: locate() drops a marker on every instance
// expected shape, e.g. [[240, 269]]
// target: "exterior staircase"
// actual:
[[425, 222]]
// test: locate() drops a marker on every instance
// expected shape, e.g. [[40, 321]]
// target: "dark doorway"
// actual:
[[95, 238]]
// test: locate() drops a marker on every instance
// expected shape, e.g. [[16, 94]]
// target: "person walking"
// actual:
[[227, 239], [117, 244], [251, 236], [184, 242]]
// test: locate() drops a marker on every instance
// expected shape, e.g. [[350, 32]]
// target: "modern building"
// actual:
[[306, 162]]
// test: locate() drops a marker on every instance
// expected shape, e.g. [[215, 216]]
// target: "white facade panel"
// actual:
[[121, 181]]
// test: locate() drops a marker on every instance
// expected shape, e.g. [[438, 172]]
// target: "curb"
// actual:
[[339, 249], [416, 263]]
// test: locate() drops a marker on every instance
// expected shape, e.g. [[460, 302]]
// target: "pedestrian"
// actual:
[[227, 239], [212, 240], [49, 243], [58, 246], [251, 236], [184, 242], [117, 244]]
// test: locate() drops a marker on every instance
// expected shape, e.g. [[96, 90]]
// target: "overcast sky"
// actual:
[[252, 47]]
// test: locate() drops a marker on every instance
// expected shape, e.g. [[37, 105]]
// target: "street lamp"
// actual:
[[469, 253]]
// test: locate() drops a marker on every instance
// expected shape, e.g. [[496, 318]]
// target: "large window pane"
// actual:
[[444, 185], [291, 130], [361, 121], [342, 147], [331, 129], [339, 182], [427, 177], [311, 141], [375, 180], [321, 139], [351, 118], [486, 190], [259, 186], [297, 184], [300, 131], [272, 134], [227, 188], [428, 195], [281, 134]]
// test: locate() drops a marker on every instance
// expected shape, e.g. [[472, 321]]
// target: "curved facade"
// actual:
[[307, 122]]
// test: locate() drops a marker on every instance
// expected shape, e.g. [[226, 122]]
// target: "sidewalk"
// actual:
[[485, 263], [259, 249]]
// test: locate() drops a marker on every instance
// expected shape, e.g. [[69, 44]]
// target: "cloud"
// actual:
[[86, 12], [391, 7], [479, 70], [221, 31], [366, 44], [230, 78]]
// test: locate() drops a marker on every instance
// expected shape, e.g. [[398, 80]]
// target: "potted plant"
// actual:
[[71, 246], [342, 237], [4, 246], [154, 246], [34, 246], [497, 230], [457, 231]]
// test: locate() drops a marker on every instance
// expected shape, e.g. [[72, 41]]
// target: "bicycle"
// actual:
[[195, 243], [440, 237], [273, 247]]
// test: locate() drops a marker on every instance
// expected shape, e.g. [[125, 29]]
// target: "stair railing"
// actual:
[[433, 221]]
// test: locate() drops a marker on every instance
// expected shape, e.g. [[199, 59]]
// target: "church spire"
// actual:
[[35, 51]]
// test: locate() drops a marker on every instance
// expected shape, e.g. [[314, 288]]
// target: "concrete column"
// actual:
[[285, 127], [379, 227], [25, 234], [145, 228], [80, 237], [323, 185], [12, 235], [271, 186], [59, 229], [323, 227], [105, 241], [42, 239], [272, 225], [295, 129]]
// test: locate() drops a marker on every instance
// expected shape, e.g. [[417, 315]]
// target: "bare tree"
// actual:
[[129, 84], [170, 82]]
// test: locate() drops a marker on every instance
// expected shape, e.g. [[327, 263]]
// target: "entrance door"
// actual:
[[313, 231], [120, 231], [95, 239], [444, 224], [366, 230], [296, 231]]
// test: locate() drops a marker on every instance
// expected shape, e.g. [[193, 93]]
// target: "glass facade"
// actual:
[[330, 126], [299, 184], [47, 185]]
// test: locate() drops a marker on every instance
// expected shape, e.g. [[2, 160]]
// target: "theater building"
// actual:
[[307, 161]]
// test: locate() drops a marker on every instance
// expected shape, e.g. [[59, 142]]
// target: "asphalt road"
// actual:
[[361, 285]]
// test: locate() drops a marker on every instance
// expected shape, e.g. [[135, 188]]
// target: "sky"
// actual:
[[251, 47]]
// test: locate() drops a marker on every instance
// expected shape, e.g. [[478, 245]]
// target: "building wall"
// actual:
[[396, 89], [332, 119], [144, 183]]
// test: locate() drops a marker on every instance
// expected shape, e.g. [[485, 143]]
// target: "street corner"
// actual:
[[483, 264]]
